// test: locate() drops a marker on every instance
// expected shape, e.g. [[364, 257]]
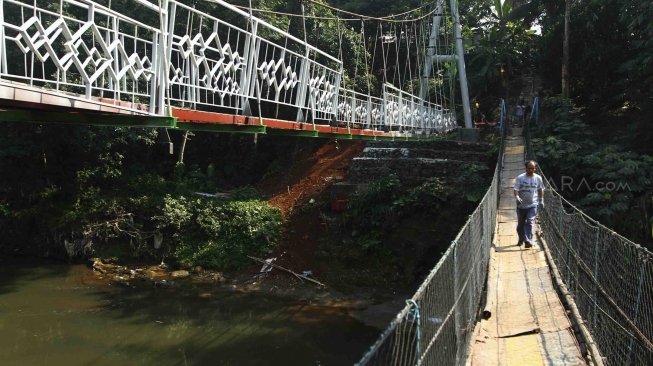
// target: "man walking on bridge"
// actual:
[[528, 190]]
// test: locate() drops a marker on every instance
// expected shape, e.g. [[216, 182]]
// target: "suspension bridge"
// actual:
[[579, 296], [219, 68]]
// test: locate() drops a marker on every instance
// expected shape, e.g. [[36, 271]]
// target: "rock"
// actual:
[[101, 267], [219, 277], [155, 272], [163, 284], [198, 269], [180, 274]]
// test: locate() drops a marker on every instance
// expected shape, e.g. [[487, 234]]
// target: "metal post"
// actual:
[[352, 119], [89, 85], [3, 50], [304, 76], [300, 102], [249, 69], [400, 113], [167, 30], [154, 79], [596, 273], [383, 107], [336, 94], [430, 51], [460, 55], [368, 117]]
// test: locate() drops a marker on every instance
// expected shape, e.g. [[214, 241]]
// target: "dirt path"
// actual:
[[308, 181], [310, 176]]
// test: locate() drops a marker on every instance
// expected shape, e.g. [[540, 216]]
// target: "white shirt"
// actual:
[[527, 188]]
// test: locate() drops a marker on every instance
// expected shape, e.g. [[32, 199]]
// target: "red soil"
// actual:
[[309, 178]]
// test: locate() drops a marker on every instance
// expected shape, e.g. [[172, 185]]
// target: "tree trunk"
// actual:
[[565, 52]]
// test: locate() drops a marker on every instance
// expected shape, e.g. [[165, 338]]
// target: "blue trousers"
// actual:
[[525, 223]]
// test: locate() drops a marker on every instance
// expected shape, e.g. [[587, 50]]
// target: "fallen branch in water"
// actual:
[[287, 270]]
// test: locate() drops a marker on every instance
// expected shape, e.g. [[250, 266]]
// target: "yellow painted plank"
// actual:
[[510, 240], [523, 350]]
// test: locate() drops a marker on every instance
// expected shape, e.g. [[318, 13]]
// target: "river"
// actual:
[[57, 314]]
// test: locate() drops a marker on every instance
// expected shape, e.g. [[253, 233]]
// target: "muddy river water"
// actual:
[[56, 314]]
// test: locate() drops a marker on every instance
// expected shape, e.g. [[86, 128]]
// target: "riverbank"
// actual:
[[60, 314], [372, 306]]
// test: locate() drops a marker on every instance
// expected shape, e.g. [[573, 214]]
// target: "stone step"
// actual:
[[448, 145], [405, 152], [410, 171]]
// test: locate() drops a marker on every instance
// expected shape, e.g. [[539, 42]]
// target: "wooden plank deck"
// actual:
[[528, 324]]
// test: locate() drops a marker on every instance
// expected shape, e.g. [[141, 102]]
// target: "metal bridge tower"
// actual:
[[432, 57]]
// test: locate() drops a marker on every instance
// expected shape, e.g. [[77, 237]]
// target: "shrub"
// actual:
[[222, 234]]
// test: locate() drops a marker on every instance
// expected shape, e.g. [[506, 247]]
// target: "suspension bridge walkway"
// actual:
[[525, 322]]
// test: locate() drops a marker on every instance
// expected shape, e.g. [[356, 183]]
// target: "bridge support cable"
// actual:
[[609, 277]]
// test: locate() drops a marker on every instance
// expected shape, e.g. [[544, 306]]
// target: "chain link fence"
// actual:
[[437, 323], [609, 277]]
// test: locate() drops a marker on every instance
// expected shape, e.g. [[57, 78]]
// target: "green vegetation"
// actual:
[[76, 191], [601, 134], [220, 235], [610, 183], [393, 234]]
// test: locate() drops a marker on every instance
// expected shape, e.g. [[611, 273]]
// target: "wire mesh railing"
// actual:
[[609, 277], [437, 323]]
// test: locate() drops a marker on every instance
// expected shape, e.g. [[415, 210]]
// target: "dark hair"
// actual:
[[530, 161]]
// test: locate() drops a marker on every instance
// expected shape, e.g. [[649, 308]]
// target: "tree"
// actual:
[[565, 52], [502, 47]]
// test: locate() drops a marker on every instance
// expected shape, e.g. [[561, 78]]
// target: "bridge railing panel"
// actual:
[[237, 59], [323, 88], [359, 110], [206, 59], [79, 47], [406, 112]]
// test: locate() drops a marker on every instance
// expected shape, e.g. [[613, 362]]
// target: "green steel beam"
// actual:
[[334, 135], [147, 121], [372, 138], [85, 118], [299, 133], [227, 128]]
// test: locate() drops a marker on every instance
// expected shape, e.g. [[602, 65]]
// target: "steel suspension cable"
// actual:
[[397, 47], [388, 18], [367, 70], [379, 29]]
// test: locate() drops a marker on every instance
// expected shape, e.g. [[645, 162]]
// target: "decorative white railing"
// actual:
[[177, 56]]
